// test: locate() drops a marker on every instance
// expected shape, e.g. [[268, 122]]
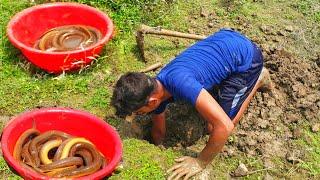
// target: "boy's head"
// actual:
[[133, 93]]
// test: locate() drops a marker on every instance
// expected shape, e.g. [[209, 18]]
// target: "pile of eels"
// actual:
[[57, 154], [68, 38]]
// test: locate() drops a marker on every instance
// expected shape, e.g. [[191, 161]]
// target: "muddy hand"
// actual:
[[186, 166]]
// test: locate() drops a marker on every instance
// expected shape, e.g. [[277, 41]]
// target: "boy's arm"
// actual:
[[158, 130], [222, 127], [220, 121]]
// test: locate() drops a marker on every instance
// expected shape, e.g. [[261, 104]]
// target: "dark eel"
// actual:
[[84, 170], [85, 154], [54, 172], [21, 141], [58, 153], [61, 163], [33, 148], [25, 154]]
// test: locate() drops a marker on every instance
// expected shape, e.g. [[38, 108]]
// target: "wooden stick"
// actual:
[[151, 67], [164, 32], [140, 43], [144, 29]]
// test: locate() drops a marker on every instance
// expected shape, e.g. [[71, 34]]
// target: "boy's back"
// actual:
[[206, 64]]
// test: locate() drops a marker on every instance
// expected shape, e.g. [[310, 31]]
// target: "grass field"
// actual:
[[22, 87]]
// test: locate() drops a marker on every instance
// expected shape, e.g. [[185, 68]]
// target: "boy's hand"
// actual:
[[186, 166]]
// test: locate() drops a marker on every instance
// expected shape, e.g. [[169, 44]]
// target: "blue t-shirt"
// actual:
[[204, 65]]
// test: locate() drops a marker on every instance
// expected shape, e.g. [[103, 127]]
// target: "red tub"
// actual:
[[26, 27], [74, 122]]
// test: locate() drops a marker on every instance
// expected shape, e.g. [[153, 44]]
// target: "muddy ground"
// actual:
[[274, 118]]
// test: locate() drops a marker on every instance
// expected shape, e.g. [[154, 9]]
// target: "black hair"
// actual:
[[132, 92]]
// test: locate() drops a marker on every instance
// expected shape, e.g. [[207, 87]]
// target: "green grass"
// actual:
[[309, 9], [23, 88], [222, 165], [142, 160], [5, 172], [312, 142]]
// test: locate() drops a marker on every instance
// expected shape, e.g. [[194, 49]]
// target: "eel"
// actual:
[[41, 139], [61, 163], [85, 154], [35, 154], [66, 38], [84, 170], [45, 43], [69, 144], [54, 172], [26, 157], [32, 169], [46, 147], [21, 141], [58, 153]]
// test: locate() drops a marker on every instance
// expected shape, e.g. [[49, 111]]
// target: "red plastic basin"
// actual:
[[74, 122], [27, 26]]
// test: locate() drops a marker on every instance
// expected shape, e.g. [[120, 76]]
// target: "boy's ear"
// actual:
[[153, 101]]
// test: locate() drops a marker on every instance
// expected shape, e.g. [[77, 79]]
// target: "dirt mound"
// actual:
[[274, 119]]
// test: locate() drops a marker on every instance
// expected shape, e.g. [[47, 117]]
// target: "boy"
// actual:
[[225, 59]]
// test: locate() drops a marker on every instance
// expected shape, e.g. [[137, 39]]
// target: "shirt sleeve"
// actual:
[[183, 86]]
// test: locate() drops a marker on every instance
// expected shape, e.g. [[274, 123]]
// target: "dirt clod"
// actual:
[[315, 127], [266, 29], [203, 13], [242, 170], [297, 133], [210, 25], [292, 118], [282, 33], [289, 28], [294, 156]]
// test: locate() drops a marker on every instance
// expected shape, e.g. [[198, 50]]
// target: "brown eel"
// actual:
[[57, 154], [25, 155], [61, 163], [22, 140], [69, 37], [33, 148], [84, 170], [85, 154]]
